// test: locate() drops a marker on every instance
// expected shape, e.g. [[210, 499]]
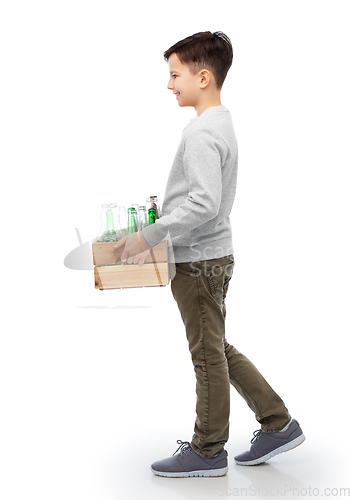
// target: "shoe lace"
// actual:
[[184, 447], [257, 435]]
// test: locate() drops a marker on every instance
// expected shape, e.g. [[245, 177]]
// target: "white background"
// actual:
[[95, 386]]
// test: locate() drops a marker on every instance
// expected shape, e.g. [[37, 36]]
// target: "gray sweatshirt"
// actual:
[[200, 190]]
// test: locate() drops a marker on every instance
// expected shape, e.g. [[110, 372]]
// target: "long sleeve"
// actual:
[[203, 156]]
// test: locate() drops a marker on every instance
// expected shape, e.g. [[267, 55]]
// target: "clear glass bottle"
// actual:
[[122, 222], [143, 221], [108, 222]]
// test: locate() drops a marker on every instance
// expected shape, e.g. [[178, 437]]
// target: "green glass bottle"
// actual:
[[132, 221], [153, 200], [110, 234], [152, 215]]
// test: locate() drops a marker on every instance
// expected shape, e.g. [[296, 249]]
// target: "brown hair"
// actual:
[[208, 50]]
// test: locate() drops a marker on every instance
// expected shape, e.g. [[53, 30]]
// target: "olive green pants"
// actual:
[[199, 289]]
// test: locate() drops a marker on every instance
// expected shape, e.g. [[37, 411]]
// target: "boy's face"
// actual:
[[183, 84]]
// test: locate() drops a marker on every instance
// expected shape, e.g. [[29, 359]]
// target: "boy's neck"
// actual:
[[208, 103]]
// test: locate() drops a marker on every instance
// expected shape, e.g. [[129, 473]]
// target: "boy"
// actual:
[[197, 203]]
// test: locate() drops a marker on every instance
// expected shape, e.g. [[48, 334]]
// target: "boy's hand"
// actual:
[[136, 248]]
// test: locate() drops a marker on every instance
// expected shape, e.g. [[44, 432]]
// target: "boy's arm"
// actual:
[[203, 157]]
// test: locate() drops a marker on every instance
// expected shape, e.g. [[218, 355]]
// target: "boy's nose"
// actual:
[[170, 85]]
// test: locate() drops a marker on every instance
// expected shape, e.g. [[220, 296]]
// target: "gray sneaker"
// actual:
[[266, 445], [187, 463]]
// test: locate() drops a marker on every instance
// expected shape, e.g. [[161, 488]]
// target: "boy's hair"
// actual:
[[205, 50]]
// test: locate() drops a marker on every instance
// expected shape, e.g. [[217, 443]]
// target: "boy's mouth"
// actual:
[[176, 94]]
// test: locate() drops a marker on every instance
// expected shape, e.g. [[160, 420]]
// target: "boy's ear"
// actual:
[[205, 77]]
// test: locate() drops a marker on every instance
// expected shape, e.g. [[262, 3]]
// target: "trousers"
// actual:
[[200, 289]]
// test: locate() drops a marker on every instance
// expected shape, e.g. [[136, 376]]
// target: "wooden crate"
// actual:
[[110, 275]]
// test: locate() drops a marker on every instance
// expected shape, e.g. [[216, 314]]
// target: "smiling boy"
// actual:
[[198, 200], [187, 88]]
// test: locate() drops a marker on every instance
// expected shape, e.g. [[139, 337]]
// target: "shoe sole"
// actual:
[[195, 473], [286, 447]]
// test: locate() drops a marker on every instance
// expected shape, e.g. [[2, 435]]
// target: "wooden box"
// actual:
[[111, 273]]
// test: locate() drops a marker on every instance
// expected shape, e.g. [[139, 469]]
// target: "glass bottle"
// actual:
[[154, 204], [136, 206], [143, 222], [108, 219], [122, 222], [152, 215], [132, 221]]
